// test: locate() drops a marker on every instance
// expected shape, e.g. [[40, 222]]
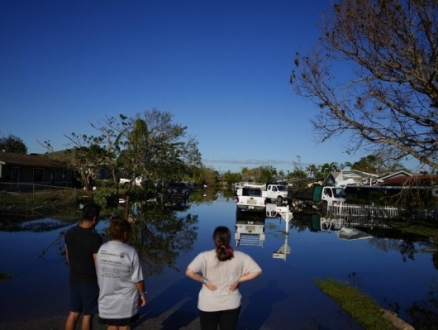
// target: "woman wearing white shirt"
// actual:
[[120, 279], [221, 271]]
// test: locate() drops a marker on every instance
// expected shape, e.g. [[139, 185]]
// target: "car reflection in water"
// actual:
[[249, 228], [178, 190]]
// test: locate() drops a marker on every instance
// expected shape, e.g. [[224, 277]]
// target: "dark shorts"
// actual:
[[119, 322], [83, 298]]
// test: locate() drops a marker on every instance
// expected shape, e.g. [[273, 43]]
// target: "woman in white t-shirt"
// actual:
[[120, 279], [221, 271]]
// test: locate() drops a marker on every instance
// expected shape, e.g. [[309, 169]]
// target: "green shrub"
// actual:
[[105, 198]]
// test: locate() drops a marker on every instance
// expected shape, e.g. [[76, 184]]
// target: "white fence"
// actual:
[[373, 211], [365, 211]]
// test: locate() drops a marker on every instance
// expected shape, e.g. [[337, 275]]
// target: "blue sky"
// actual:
[[220, 67]]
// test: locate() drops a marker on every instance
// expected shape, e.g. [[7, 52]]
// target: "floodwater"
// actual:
[[398, 272]]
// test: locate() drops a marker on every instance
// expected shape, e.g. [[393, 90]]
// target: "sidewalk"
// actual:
[[57, 323]]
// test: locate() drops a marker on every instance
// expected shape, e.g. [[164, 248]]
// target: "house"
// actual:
[[33, 169], [400, 175], [360, 185], [100, 170], [412, 181], [351, 178], [362, 179]]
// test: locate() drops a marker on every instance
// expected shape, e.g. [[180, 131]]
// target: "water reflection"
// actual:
[[36, 226], [161, 236], [283, 250], [384, 234], [351, 234], [41, 226], [316, 222], [271, 210], [203, 195], [178, 303], [263, 301], [394, 266], [249, 228]]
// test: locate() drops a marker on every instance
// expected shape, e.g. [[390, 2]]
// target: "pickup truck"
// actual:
[[275, 193], [250, 199]]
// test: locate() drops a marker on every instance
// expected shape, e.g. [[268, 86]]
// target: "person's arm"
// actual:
[[140, 288], [201, 279], [244, 278]]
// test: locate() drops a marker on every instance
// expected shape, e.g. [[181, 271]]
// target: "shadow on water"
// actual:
[[180, 299], [261, 304]]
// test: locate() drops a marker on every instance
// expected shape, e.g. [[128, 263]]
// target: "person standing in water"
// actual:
[[221, 271], [81, 246], [120, 279]]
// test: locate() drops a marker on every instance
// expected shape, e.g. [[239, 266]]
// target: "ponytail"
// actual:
[[222, 239]]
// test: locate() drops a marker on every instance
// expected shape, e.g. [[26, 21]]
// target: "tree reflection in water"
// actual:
[[424, 312], [165, 232], [40, 226], [409, 239], [36, 226], [160, 236]]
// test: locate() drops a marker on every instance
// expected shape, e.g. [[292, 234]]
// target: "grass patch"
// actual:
[[361, 307], [5, 276]]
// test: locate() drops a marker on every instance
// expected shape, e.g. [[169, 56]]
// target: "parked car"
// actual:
[[178, 189]]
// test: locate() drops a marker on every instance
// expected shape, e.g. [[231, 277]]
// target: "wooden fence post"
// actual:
[[127, 207]]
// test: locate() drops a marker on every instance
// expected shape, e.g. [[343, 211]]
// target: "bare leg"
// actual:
[[72, 318], [87, 322], [114, 327]]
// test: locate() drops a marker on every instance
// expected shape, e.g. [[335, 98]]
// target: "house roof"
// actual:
[[35, 160], [351, 177], [422, 179], [359, 178], [357, 174], [391, 175]]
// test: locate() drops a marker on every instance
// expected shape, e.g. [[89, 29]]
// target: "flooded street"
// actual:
[[395, 271]]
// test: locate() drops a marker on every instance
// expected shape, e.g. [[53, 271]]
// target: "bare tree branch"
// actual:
[[374, 76]]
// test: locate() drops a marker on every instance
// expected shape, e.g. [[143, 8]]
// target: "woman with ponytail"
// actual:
[[221, 271]]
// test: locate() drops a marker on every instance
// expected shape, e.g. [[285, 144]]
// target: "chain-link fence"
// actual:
[[33, 200]]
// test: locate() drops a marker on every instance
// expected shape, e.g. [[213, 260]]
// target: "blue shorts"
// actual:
[[83, 298]]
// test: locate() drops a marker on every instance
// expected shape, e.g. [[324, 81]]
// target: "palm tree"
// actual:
[[344, 165], [312, 170]]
